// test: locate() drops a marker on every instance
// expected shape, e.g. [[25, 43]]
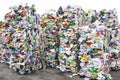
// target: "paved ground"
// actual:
[[48, 74]]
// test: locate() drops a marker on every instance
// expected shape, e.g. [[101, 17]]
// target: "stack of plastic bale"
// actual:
[[48, 23], [21, 39], [91, 53], [84, 42], [67, 33]]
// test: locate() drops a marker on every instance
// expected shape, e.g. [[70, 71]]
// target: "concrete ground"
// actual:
[[47, 74]]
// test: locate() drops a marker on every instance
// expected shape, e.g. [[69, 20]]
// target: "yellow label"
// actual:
[[46, 21], [17, 30]]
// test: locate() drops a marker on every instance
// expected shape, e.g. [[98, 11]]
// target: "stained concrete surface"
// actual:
[[47, 74]]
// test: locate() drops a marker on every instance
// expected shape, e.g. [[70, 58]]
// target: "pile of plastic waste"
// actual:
[[85, 43], [21, 39], [48, 24]]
